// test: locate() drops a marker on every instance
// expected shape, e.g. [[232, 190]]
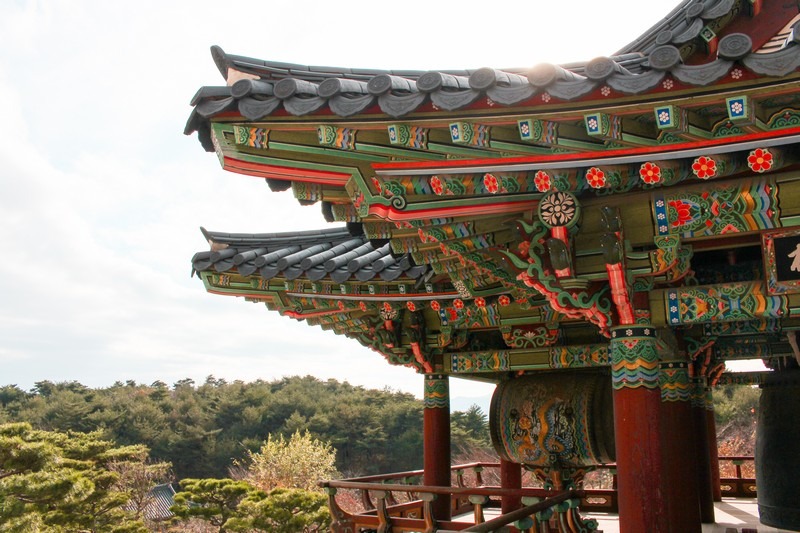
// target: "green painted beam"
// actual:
[[328, 152], [398, 152]]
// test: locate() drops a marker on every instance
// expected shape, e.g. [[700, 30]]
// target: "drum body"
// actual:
[[554, 418]]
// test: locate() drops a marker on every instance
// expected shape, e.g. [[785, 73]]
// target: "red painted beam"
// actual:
[[261, 170]]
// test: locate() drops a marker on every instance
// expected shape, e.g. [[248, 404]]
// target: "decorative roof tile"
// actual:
[[314, 255], [639, 67]]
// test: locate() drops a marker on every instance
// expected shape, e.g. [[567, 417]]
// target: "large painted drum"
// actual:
[[554, 418], [778, 451]]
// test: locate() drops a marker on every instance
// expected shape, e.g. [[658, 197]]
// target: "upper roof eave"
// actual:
[[262, 88]]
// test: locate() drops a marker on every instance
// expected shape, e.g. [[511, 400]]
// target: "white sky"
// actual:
[[101, 195]]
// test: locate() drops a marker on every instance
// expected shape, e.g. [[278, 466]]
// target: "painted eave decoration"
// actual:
[[514, 220]]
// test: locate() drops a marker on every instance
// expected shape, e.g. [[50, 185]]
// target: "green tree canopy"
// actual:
[[283, 511], [61, 481], [201, 427], [213, 500]]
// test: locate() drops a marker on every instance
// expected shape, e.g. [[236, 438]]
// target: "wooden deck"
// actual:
[[472, 496], [738, 515]]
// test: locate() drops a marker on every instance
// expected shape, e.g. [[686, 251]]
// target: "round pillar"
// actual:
[[510, 478], [436, 440], [702, 453], [713, 447], [680, 490], [637, 421]]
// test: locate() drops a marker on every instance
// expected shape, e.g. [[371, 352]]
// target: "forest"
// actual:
[[201, 428]]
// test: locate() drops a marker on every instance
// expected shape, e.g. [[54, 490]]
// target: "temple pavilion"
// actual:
[[597, 239]]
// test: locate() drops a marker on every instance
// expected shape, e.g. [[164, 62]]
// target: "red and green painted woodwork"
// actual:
[[436, 439], [743, 378], [612, 243], [719, 303], [522, 359], [602, 180], [536, 272], [337, 137], [674, 381], [555, 135], [634, 357], [674, 125], [739, 207], [408, 136], [758, 326], [609, 129], [437, 392]]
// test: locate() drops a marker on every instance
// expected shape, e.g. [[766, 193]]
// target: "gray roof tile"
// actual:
[[313, 255], [347, 92]]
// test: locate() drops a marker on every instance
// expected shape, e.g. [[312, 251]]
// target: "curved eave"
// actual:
[[603, 81]]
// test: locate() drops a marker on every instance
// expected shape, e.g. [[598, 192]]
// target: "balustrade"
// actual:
[[396, 502]]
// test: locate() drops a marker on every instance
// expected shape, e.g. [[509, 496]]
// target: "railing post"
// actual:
[[527, 501], [411, 480], [478, 502], [366, 501], [737, 463], [384, 521], [478, 475], [428, 511], [390, 499], [340, 520], [525, 525]]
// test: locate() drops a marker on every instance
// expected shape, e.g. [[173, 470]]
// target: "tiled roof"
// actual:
[[336, 254], [639, 67], [157, 503], [160, 502]]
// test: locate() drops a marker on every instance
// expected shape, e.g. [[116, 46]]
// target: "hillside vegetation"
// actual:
[[202, 429]]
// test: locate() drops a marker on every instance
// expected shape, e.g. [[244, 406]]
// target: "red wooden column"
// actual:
[[713, 448], [637, 429], [436, 440], [679, 466], [702, 454], [510, 478]]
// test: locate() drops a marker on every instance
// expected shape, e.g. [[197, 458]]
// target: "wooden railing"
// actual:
[[737, 478], [397, 502]]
